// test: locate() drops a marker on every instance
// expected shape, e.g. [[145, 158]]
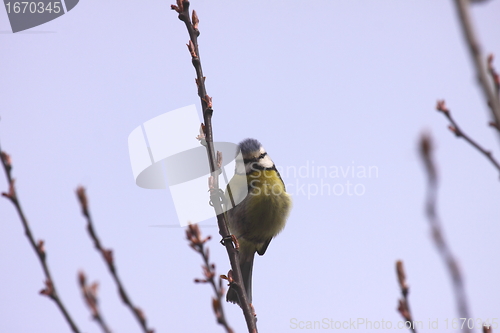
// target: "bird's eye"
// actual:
[[262, 155]]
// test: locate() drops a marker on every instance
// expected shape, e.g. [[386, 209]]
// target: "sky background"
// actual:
[[327, 83]]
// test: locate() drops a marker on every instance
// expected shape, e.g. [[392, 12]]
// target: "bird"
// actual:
[[257, 207]]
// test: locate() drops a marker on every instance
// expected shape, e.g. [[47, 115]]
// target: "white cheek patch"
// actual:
[[266, 162]]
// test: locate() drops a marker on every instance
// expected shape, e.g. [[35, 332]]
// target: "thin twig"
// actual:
[[404, 305], [182, 8], [197, 243], [50, 288], [494, 74], [441, 106], [426, 151], [90, 296], [492, 99], [107, 255]]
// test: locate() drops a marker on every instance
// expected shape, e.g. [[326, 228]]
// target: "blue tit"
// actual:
[[256, 205]]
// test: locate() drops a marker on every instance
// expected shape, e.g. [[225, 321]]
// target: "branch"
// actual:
[[50, 288], [193, 235], [404, 305], [90, 297], [441, 106], [107, 255], [182, 8], [494, 74], [426, 150], [477, 58]]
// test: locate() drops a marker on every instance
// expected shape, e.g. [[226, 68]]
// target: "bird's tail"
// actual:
[[246, 267]]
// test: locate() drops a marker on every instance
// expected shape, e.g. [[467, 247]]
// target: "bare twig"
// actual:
[[197, 243], [107, 255], [441, 106], [426, 151], [38, 247], [182, 8], [494, 74], [492, 99], [90, 296], [403, 304]]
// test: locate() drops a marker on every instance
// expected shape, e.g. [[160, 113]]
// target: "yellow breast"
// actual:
[[268, 204]]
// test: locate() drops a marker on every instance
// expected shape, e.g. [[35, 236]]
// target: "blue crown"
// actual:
[[249, 145]]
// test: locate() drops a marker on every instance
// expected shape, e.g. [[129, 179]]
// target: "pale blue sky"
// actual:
[[324, 83]]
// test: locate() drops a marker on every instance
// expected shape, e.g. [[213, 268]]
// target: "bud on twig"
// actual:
[[441, 106], [82, 198], [179, 8], [191, 49], [48, 290], [401, 276], [195, 20]]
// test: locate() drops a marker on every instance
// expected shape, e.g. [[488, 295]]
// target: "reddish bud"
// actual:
[[40, 246], [140, 314], [216, 308], [441, 106], [6, 160], [235, 241], [191, 49], [108, 256], [82, 198], [12, 190], [179, 8], [219, 159], [82, 278], [230, 276], [403, 309], [208, 100], [401, 276], [48, 290], [195, 20]]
